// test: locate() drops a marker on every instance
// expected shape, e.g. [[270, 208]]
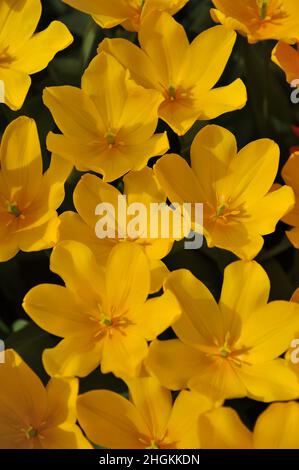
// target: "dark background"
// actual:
[[269, 113]]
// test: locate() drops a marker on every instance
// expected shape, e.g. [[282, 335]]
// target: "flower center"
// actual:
[[31, 433], [107, 324], [106, 321], [172, 92], [270, 11], [13, 209], [223, 211], [153, 445], [262, 6], [110, 138], [225, 349]]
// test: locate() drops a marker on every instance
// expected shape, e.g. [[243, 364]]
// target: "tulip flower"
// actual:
[[232, 349], [29, 199], [23, 53], [184, 74], [33, 416], [139, 187], [259, 20], [102, 313], [234, 187], [148, 420], [108, 125]]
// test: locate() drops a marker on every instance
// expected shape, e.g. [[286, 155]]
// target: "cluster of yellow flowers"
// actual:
[[105, 314]]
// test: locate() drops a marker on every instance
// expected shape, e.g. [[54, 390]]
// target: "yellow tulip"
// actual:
[[232, 349], [259, 19], [148, 420], [33, 416], [102, 312], [128, 13], [275, 428], [139, 186], [184, 74], [28, 198], [108, 126], [233, 187], [23, 53]]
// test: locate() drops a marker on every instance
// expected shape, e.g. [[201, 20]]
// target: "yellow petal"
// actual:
[[245, 290], [36, 54], [277, 427], [107, 14], [134, 59], [54, 308], [76, 265], [269, 330], [235, 237], [158, 314], [159, 272], [16, 86], [124, 352], [22, 395], [222, 429], [66, 436], [127, 277], [111, 421], [82, 154], [18, 21], [74, 356], [173, 363], [201, 321], [217, 379], [74, 113], [273, 207], [62, 397], [21, 161], [73, 228], [222, 100], [254, 171], [110, 97], [165, 42], [183, 423], [8, 247], [177, 179], [211, 49], [91, 191], [269, 381], [212, 152], [153, 402], [41, 236]]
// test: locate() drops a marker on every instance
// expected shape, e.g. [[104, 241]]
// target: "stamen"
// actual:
[[31, 432], [225, 349], [153, 445], [263, 7], [172, 92], [106, 321], [110, 138], [220, 210], [14, 209]]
